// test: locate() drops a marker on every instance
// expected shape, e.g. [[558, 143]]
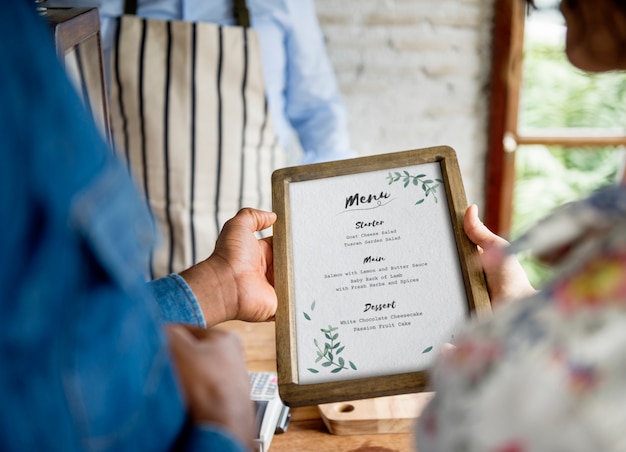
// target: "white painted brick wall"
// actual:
[[414, 73]]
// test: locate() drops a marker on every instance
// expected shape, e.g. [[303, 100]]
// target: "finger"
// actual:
[[213, 335], [447, 350], [187, 335], [252, 220], [267, 249], [178, 336], [269, 240], [478, 232]]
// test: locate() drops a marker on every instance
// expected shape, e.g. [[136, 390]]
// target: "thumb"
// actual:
[[252, 220], [479, 233]]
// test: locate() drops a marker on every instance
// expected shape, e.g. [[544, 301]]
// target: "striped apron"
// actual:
[[189, 115]]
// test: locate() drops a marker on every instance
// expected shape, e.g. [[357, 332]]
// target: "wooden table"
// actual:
[[307, 431]]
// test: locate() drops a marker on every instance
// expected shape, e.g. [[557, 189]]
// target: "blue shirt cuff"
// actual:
[[177, 302]]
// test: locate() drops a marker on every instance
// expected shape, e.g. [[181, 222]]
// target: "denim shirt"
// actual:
[[83, 360]]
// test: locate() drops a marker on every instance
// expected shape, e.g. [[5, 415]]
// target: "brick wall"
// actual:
[[414, 73]]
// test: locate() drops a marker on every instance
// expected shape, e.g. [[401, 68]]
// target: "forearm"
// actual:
[[313, 100], [214, 287], [198, 296]]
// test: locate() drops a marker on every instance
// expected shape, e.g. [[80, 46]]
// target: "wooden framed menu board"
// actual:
[[373, 273]]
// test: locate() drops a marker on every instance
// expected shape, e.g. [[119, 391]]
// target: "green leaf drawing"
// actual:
[[328, 353], [307, 316], [427, 349], [428, 186]]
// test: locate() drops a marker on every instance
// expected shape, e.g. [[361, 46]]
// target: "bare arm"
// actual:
[[236, 281]]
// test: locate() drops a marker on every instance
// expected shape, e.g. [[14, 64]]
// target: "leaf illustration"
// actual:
[[328, 355], [306, 316], [313, 371], [428, 349], [421, 180]]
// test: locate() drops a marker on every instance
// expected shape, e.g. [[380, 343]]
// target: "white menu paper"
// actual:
[[377, 280]]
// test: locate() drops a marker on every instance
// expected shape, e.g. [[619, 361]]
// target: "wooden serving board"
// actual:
[[394, 414]]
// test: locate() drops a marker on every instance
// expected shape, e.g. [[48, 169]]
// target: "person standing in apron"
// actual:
[[219, 123]]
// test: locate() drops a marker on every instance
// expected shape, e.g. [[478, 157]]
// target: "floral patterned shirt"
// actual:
[[547, 373]]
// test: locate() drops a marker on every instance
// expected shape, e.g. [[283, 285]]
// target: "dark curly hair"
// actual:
[[616, 29]]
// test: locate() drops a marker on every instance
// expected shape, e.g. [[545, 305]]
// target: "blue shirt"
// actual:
[[302, 91], [84, 362]]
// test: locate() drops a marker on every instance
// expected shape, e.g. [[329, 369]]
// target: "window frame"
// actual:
[[504, 134]]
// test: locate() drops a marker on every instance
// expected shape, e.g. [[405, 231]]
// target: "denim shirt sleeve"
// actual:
[[177, 302], [207, 437], [85, 363]]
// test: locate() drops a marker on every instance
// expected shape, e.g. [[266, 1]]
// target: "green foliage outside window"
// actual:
[[556, 95]]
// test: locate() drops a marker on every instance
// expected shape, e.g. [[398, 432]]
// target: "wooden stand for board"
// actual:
[[393, 414]]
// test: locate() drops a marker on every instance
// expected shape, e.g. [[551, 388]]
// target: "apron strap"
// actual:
[[130, 7], [240, 11]]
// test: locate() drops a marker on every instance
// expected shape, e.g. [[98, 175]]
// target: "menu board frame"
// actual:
[[292, 390]]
